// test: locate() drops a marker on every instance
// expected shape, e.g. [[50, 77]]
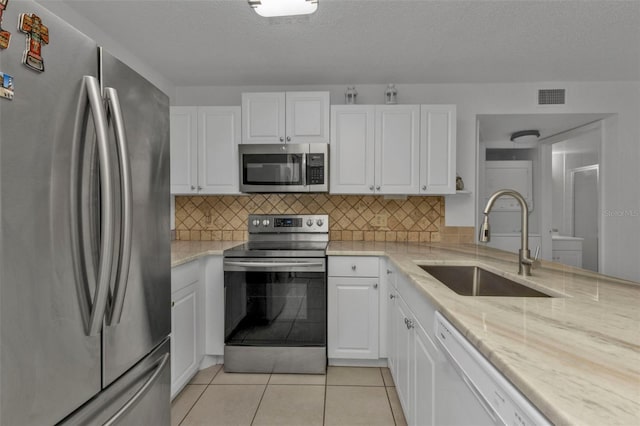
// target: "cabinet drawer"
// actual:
[[353, 266], [566, 245], [184, 275]]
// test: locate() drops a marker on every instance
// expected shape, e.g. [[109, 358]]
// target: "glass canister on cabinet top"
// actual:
[[350, 95], [391, 95]]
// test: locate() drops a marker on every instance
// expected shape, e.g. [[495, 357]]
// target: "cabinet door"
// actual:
[[307, 117], [403, 348], [186, 337], [424, 359], [397, 147], [352, 313], [437, 149], [352, 149], [184, 149], [263, 117], [568, 257], [218, 139]]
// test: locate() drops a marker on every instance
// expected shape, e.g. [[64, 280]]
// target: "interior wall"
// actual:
[[620, 156]]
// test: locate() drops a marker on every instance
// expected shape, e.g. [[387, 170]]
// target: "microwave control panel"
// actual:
[[315, 169]]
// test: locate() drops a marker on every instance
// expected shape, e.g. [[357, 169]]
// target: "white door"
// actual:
[[184, 150], [352, 149], [397, 140], [352, 312], [218, 139], [307, 117], [585, 213], [263, 117], [437, 149]]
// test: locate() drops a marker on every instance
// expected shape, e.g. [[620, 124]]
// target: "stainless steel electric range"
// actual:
[[276, 296]]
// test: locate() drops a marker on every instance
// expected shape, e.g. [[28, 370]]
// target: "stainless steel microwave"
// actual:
[[284, 167]]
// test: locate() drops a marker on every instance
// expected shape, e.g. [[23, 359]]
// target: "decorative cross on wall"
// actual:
[[5, 36], [31, 24]]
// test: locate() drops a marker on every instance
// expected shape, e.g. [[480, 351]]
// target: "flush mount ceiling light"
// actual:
[[273, 8], [525, 136]]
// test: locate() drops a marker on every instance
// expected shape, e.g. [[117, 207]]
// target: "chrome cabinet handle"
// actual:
[[107, 213], [124, 261], [193, 188], [409, 323], [173, 303], [375, 285], [371, 187], [281, 139], [353, 267], [199, 188], [378, 188], [288, 138], [424, 187], [392, 296], [389, 271]]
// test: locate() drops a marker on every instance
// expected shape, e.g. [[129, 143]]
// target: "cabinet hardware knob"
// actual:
[[371, 187], [193, 187], [353, 267], [409, 324], [288, 138], [392, 296], [424, 187], [389, 271], [281, 139], [199, 188], [375, 285], [173, 303], [378, 188]]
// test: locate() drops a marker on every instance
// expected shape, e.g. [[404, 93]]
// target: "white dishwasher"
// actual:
[[502, 402]]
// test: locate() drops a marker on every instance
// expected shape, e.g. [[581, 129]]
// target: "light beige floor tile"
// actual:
[[354, 376], [297, 379], [204, 377], [223, 378], [291, 405], [228, 405], [357, 405], [182, 403], [396, 408], [386, 376]]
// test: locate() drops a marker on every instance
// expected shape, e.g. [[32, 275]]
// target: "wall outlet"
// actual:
[[380, 220]]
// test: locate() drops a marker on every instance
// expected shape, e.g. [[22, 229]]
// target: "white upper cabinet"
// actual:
[[437, 149], [375, 149], [397, 149], [218, 139], [204, 150], [352, 149], [291, 117], [184, 150]]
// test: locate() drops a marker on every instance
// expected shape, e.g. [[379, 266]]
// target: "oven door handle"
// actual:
[[272, 264]]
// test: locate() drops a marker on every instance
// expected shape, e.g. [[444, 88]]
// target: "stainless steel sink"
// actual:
[[474, 281]]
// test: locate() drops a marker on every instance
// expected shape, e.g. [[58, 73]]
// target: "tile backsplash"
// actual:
[[351, 217]]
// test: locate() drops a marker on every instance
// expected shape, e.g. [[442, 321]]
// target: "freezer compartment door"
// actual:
[[139, 313], [49, 366], [140, 397]]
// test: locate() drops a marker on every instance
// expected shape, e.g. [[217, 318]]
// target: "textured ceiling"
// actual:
[[223, 42]]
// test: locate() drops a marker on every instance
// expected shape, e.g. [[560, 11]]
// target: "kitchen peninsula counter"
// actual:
[[576, 356], [186, 251]]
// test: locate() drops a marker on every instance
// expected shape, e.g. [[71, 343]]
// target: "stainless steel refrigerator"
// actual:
[[84, 236]]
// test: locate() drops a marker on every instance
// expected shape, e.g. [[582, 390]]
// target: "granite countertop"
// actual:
[[576, 357], [186, 251]]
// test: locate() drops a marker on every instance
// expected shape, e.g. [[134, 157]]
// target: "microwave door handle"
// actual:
[[304, 169]]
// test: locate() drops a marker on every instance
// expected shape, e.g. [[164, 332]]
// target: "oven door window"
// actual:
[[272, 169], [275, 308]]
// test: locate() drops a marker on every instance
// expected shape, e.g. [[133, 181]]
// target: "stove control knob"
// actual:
[[319, 222], [265, 222], [256, 222], [309, 222]]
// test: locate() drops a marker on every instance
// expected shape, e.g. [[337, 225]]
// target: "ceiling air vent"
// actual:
[[551, 97]]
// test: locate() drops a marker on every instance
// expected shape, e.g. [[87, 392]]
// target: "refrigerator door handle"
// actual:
[[107, 214], [113, 105], [159, 366]]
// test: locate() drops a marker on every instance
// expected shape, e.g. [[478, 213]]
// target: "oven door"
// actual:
[[273, 168], [275, 302]]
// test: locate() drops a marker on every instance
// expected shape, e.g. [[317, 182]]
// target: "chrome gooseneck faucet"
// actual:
[[525, 261]]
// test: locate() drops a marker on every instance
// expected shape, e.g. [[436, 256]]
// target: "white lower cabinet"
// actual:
[[187, 324], [214, 305], [353, 308]]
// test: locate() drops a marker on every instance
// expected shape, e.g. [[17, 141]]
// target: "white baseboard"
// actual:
[[342, 362]]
